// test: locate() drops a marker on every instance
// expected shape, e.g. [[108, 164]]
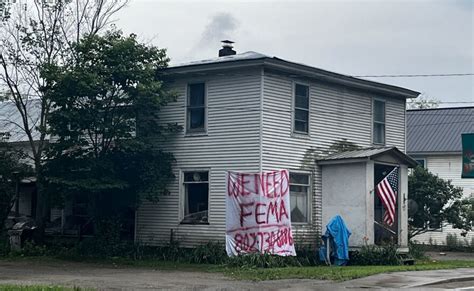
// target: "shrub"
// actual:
[[375, 255], [416, 251], [452, 242]]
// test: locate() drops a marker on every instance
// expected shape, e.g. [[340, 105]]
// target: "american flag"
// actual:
[[387, 191]]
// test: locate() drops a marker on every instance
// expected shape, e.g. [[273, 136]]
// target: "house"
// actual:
[[250, 112], [434, 141]]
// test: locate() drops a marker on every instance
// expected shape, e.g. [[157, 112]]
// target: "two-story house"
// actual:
[[250, 112]]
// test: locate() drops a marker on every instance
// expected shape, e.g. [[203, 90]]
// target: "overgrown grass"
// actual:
[[39, 288], [337, 273]]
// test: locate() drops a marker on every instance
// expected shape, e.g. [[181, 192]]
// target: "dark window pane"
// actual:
[[379, 111], [421, 163], [379, 133], [301, 115], [301, 126], [196, 176], [197, 199], [302, 102], [196, 94], [301, 90], [299, 179], [196, 118]]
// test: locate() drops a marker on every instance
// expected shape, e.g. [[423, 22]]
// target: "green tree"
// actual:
[[35, 34], [434, 201], [105, 118]]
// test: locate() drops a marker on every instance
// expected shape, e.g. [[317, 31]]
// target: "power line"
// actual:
[[415, 75]]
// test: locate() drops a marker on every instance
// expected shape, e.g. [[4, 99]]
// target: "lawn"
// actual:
[[337, 273]]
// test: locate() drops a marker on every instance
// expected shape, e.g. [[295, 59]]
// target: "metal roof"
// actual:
[[438, 130], [11, 120], [293, 68], [367, 153], [232, 58]]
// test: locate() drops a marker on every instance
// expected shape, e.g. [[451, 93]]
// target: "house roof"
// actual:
[[11, 120], [438, 130], [250, 58], [367, 153]]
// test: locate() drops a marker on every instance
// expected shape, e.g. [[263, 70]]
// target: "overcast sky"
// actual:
[[349, 37]]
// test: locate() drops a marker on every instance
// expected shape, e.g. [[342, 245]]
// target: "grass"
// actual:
[[338, 273]]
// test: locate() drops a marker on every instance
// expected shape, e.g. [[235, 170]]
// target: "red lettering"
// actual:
[[244, 214], [258, 214], [283, 210], [243, 182], [273, 210], [269, 185], [284, 182]]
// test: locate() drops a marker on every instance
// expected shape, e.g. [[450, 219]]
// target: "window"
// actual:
[[379, 122], [299, 194], [301, 113], [196, 197], [421, 162], [196, 108]]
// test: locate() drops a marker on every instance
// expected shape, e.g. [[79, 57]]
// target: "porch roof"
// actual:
[[367, 154]]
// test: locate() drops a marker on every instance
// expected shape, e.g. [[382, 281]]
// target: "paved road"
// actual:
[[122, 278]]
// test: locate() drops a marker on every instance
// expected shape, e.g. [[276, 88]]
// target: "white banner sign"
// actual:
[[258, 214]]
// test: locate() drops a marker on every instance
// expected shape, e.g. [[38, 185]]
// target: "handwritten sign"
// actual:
[[258, 214]]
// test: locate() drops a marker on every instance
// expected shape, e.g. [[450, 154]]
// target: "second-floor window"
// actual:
[[196, 108], [379, 122], [301, 112]]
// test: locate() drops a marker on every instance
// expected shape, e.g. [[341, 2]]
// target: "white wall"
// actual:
[[447, 167]]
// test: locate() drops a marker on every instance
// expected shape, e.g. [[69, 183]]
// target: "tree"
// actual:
[[106, 104], [11, 171], [35, 34], [434, 202], [423, 102]]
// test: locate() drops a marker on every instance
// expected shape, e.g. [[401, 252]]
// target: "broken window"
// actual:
[[301, 113], [196, 108], [299, 193], [196, 197], [379, 122]]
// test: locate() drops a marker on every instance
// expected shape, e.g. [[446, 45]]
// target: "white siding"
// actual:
[[232, 143], [447, 167], [335, 113], [241, 139]]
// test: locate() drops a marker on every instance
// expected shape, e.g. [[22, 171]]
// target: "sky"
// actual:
[[348, 37]]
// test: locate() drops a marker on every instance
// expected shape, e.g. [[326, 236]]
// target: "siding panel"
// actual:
[[232, 143]]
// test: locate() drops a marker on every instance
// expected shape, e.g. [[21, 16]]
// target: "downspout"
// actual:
[[262, 77]]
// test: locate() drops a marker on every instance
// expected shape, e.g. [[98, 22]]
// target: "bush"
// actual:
[[416, 251], [452, 241], [371, 255], [4, 244]]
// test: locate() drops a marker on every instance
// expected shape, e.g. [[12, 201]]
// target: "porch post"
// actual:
[[403, 208]]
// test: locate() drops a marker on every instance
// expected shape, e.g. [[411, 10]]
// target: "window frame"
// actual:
[[189, 131], [294, 108], [421, 159], [384, 123], [308, 198], [182, 194]]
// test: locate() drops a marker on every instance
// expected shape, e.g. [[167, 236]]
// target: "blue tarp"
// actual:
[[337, 234]]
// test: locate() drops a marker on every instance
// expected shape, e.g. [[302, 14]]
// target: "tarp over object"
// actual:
[[337, 234]]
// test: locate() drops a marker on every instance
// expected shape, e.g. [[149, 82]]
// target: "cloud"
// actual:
[[222, 26]]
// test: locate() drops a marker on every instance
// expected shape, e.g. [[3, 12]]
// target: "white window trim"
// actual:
[[424, 162], [187, 131], [384, 123], [182, 194], [293, 110], [309, 198]]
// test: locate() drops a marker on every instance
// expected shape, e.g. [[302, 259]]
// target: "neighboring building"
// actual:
[[11, 123], [250, 112], [434, 141]]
